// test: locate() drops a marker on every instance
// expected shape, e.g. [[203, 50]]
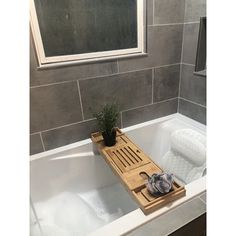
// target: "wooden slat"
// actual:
[[141, 198], [134, 180], [161, 198], [151, 208], [124, 159], [127, 160], [117, 161], [148, 195]]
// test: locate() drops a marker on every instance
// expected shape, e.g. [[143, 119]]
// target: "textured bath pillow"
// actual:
[[191, 145]]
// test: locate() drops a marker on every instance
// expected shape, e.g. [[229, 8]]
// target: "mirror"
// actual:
[[86, 30], [200, 65]]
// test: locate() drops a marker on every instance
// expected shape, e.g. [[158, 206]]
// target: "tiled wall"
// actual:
[[146, 88], [192, 90]]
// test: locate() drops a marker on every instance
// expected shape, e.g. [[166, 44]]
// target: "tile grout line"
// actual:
[[191, 22], [167, 100], [56, 83], [101, 76], [172, 24], [40, 134], [185, 9], [192, 102], [152, 85], [35, 133], [81, 105], [121, 119], [63, 126], [153, 12], [131, 71], [181, 59], [187, 64], [80, 122], [180, 80], [118, 66]]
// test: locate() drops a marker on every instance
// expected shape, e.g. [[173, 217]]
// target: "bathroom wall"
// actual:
[[61, 99], [192, 92]]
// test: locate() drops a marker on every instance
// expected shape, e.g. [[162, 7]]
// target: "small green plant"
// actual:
[[107, 117]]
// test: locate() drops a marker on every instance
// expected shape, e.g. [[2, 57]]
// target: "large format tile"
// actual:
[[150, 12], [190, 41], [192, 110], [172, 220], [192, 87], [68, 134], [36, 145], [149, 112], [129, 90], [194, 9], [67, 73], [163, 47], [166, 82], [197, 227], [53, 106], [169, 11]]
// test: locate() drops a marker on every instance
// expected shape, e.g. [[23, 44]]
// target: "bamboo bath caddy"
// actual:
[[127, 160]]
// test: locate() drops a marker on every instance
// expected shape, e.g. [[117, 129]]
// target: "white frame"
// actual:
[[88, 57]]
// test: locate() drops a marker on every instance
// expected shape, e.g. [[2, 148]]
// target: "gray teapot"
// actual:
[[158, 184]]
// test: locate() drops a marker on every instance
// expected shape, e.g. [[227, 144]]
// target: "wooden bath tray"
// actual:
[[127, 160]]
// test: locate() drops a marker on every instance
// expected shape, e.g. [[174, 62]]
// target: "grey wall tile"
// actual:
[[197, 227], [58, 105], [68, 134], [194, 9], [166, 82], [193, 111], [169, 11], [190, 43], [164, 48], [149, 12], [36, 145], [68, 73], [129, 89], [149, 112], [176, 218], [192, 87], [53, 106]]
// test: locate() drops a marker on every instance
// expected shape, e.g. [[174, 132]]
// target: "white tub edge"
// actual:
[[87, 141], [136, 218]]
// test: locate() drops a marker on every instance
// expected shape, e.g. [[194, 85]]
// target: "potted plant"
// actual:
[[107, 120]]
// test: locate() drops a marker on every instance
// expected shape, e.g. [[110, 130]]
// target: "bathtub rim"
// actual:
[[179, 116], [136, 218]]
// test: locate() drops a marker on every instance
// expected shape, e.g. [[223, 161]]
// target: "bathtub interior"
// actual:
[[156, 142], [73, 190], [74, 193]]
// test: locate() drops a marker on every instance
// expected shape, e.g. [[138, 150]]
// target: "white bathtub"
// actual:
[[74, 192]]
